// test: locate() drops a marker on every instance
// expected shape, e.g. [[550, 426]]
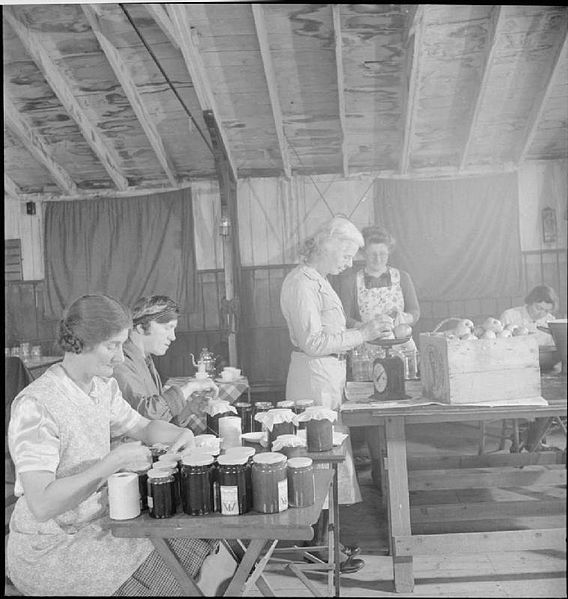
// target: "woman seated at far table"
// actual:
[[536, 312], [59, 435], [155, 319]]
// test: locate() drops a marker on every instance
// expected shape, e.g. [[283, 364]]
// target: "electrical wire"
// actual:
[[164, 74]]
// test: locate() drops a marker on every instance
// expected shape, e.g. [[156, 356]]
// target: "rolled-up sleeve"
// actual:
[[316, 326], [123, 418]]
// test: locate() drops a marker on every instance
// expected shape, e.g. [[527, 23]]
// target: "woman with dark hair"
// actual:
[[155, 319], [540, 304], [59, 437]]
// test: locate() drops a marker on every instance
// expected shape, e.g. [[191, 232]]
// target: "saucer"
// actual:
[[235, 380]]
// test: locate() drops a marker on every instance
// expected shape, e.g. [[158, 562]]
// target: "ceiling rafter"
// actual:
[[336, 13], [120, 68], [540, 100], [35, 144], [159, 14], [11, 189], [61, 88], [411, 98], [261, 34], [494, 20], [187, 39]]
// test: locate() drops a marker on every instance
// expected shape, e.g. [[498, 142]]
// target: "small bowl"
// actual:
[[255, 438]]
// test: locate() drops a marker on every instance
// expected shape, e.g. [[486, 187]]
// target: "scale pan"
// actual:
[[388, 342]]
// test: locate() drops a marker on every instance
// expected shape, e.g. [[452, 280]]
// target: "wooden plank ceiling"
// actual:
[[109, 98]]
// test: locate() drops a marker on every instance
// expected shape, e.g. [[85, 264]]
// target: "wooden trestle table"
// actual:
[[461, 472], [252, 534]]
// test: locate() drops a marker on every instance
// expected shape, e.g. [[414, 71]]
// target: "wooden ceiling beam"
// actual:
[[543, 93], [40, 55], [188, 43], [336, 13], [490, 46], [261, 34], [413, 78], [120, 68], [11, 189], [36, 145], [159, 14]]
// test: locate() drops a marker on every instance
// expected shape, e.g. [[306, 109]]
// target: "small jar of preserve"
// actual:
[[301, 487], [232, 484], [319, 427], [244, 410], [160, 493], [197, 484], [290, 445], [301, 405], [217, 409], [248, 453], [174, 471], [269, 483], [259, 408]]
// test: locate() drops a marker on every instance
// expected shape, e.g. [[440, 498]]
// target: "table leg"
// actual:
[[238, 549], [247, 563], [185, 581], [398, 501], [335, 573]]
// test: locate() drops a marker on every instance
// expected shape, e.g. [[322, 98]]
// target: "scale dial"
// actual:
[[380, 377]]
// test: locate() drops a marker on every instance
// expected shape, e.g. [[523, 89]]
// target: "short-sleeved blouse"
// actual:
[[32, 433]]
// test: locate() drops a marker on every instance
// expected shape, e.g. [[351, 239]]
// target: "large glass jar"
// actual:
[[269, 483], [301, 486], [232, 484], [197, 484], [248, 453]]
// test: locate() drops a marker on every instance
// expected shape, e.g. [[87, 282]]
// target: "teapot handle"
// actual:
[[193, 360]]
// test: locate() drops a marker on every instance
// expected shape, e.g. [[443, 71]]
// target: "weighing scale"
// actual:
[[388, 372]]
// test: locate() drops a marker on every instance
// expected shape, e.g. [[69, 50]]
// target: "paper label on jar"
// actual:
[[229, 500], [283, 495]]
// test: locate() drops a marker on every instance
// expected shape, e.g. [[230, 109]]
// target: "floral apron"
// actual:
[[381, 300]]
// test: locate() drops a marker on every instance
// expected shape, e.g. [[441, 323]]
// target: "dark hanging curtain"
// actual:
[[457, 239], [124, 247]]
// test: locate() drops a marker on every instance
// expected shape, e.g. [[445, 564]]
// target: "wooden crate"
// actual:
[[459, 372]]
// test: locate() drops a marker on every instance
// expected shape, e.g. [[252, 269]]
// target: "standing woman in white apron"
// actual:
[[317, 326], [379, 291]]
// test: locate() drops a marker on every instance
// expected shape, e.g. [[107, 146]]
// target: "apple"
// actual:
[[519, 331], [478, 331], [505, 333], [492, 324], [402, 330], [489, 334], [463, 327]]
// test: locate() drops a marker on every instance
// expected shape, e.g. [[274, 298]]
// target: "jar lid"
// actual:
[[286, 403], [304, 402], [197, 459], [299, 462], [164, 466], [232, 459], [159, 473], [269, 457], [242, 404], [170, 457], [264, 405], [245, 451]]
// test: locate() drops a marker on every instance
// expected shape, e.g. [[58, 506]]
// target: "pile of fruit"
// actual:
[[491, 328]]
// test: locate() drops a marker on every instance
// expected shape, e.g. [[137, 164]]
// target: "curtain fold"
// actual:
[[458, 239], [124, 247]]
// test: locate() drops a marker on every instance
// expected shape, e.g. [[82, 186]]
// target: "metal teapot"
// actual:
[[206, 362]]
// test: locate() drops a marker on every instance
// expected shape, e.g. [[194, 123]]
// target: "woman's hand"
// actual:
[[184, 440], [200, 385], [128, 455]]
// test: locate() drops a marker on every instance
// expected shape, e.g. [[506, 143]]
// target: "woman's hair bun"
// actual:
[[68, 341]]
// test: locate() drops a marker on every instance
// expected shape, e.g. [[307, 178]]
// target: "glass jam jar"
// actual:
[[301, 405], [301, 486], [260, 406], [213, 421], [174, 471], [248, 453], [319, 434], [197, 484], [245, 411], [160, 493], [269, 483], [142, 471], [232, 484], [281, 428]]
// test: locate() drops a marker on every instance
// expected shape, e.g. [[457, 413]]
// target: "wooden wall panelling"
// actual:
[[12, 260], [20, 313], [206, 203]]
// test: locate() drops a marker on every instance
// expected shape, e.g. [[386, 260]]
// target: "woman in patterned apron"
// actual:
[[379, 291], [59, 437], [317, 326]]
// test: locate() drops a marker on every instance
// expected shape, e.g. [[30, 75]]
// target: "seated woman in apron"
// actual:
[[382, 292], [59, 437], [317, 326]]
